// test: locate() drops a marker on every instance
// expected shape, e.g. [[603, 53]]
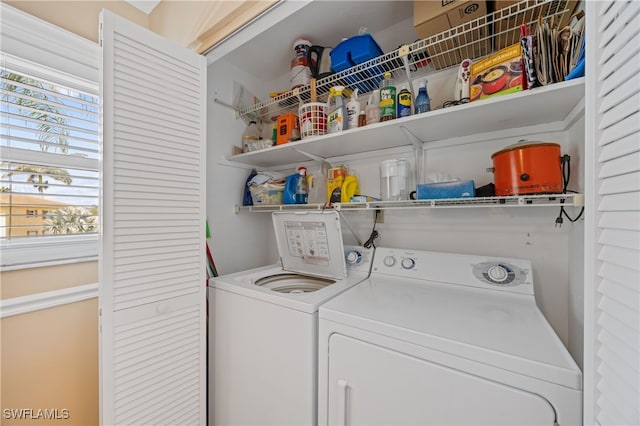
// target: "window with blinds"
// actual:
[[49, 172], [49, 143]]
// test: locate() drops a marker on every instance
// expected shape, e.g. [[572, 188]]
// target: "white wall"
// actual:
[[239, 240], [508, 232]]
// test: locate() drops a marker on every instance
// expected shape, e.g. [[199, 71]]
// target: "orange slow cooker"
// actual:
[[531, 168]]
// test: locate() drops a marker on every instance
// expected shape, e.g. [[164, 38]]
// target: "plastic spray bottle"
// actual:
[[423, 103], [353, 110], [302, 186], [337, 119]]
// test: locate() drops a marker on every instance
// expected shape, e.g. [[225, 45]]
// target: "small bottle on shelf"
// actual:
[[250, 137], [302, 187], [362, 119], [404, 102], [423, 103], [373, 108], [387, 98]]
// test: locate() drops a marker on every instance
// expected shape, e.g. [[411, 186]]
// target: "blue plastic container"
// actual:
[[353, 51], [457, 189]]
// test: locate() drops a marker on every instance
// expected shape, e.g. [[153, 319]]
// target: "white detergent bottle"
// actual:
[[353, 110], [337, 119]]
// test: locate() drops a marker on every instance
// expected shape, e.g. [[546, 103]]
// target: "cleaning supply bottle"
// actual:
[[353, 109], [335, 179], [387, 98], [302, 186], [250, 136], [373, 109], [404, 102], [423, 103], [337, 119], [349, 188], [362, 119]]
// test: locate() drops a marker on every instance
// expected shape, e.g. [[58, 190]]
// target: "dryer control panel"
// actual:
[[504, 274]]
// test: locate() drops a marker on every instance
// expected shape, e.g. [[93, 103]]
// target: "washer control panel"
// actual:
[[499, 273], [353, 257], [512, 275]]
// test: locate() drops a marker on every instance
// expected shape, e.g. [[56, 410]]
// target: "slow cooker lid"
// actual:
[[523, 145]]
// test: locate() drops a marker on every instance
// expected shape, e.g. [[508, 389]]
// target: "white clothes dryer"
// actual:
[[263, 331], [443, 339]]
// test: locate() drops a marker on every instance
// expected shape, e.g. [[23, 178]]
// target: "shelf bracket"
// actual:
[[419, 169], [245, 117], [417, 143], [323, 161]]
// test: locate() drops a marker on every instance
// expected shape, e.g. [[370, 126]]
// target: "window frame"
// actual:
[[42, 50]]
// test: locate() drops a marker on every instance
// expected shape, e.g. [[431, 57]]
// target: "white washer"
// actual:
[[443, 339], [263, 334]]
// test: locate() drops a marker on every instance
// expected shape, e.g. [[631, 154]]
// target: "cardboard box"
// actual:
[[433, 17], [498, 74]]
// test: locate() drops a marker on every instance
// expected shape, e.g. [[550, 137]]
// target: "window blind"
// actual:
[[49, 143]]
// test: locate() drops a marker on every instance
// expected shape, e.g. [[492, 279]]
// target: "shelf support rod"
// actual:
[[246, 117], [323, 161], [418, 155]]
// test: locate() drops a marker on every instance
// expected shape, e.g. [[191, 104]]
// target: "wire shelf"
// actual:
[[534, 200], [471, 40]]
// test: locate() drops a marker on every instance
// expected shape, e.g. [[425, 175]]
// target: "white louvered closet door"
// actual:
[[612, 240], [152, 297]]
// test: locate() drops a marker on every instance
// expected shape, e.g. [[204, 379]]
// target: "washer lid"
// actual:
[[310, 243]]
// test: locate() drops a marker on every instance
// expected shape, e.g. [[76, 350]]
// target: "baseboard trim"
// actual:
[[35, 302]]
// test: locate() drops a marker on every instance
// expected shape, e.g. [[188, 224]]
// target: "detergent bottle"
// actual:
[[349, 188], [290, 185], [337, 119], [335, 179], [353, 110]]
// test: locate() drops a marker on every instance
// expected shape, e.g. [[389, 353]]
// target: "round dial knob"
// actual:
[[408, 263], [389, 261], [498, 273], [354, 257]]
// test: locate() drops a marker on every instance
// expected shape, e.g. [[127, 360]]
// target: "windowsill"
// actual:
[[53, 251]]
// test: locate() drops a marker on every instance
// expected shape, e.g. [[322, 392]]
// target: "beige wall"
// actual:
[[193, 24], [80, 17], [23, 282], [208, 22], [49, 358], [50, 361]]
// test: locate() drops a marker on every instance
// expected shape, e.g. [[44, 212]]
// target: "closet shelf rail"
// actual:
[[471, 40]]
